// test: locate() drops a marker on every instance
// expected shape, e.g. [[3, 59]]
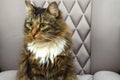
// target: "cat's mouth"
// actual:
[[41, 37]]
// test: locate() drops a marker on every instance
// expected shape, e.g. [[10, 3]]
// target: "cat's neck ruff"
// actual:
[[47, 51]]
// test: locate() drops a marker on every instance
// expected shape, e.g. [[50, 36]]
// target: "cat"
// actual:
[[47, 51]]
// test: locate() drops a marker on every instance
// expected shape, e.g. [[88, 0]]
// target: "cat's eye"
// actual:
[[43, 25], [30, 23]]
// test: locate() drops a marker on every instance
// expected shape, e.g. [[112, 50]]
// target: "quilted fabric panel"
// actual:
[[77, 14]]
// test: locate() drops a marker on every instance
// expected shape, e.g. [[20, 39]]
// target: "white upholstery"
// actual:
[[106, 75], [101, 75], [85, 77], [8, 75]]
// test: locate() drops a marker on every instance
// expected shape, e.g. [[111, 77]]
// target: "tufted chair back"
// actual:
[[95, 32]]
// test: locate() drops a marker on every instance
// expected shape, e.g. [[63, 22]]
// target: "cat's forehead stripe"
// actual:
[[39, 10]]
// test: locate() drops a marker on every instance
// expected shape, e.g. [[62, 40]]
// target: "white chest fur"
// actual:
[[46, 51]]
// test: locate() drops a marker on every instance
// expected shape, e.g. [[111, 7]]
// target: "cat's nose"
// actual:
[[35, 30], [38, 36], [35, 33]]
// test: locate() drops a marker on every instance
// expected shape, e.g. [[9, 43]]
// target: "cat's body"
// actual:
[[47, 46]]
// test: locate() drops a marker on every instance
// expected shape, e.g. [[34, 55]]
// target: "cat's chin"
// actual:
[[47, 39], [42, 40]]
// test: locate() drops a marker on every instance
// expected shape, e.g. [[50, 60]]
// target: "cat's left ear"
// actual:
[[29, 7], [53, 9]]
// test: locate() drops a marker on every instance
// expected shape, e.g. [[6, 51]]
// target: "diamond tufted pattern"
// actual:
[[77, 14]]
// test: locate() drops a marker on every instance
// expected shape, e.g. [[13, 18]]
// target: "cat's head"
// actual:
[[44, 24]]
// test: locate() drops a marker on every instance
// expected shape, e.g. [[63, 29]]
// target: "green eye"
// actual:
[[43, 25], [30, 24]]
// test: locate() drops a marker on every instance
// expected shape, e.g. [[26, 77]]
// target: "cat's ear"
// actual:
[[29, 7], [53, 9]]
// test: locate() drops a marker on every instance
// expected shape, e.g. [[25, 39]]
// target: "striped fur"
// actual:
[[47, 50]]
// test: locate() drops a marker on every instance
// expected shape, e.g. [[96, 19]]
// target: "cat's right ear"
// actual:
[[29, 8], [53, 9]]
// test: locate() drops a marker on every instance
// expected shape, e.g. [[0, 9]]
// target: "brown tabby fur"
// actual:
[[56, 28]]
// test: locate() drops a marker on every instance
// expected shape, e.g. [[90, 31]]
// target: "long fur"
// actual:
[[47, 50]]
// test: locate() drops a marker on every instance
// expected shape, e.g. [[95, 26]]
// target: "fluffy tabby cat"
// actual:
[[47, 46]]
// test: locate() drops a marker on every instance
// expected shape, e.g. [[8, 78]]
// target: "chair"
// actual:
[[95, 25]]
